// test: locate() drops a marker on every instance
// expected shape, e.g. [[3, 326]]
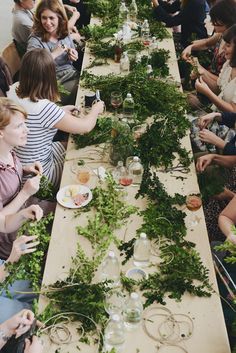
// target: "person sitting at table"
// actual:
[[37, 92], [50, 31], [214, 205], [17, 325], [223, 16], [13, 132], [227, 219], [22, 22], [18, 301], [191, 17], [223, 94], [228, 119]]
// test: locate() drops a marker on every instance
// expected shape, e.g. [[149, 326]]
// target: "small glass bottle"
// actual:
[[145, 33], [119, 171], [150, 74], [124, 63], [153, 45], [142, 251], [136, 170], [133, 311], [133, 11], [118, 50], [111, 270], [114, 334], [123, 13], [128, 108]]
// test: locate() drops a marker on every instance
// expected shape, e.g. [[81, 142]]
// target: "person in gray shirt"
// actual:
[[51, 32], [22, 22]]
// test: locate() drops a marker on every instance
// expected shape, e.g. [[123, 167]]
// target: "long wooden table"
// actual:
[[209, 332]]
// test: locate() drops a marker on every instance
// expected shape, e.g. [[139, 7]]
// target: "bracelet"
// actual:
[[3, 336]]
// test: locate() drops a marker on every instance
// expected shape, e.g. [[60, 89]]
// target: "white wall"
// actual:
[[5, 22]]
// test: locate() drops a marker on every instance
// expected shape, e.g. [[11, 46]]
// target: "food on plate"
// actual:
[[79, 199]]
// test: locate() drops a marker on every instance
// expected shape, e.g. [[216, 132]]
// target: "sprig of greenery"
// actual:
[[46, 189], [30, 266], [100, 134]]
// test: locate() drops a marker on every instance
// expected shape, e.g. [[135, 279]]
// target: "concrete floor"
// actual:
[[5, 22]]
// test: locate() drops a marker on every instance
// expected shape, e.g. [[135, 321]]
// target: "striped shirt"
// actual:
[[42, 116]]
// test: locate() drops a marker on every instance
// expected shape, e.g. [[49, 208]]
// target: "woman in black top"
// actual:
[[191, 16]]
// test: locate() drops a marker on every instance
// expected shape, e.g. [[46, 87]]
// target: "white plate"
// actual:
[[64, 198]]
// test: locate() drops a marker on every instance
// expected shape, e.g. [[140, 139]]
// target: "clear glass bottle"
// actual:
[[114, 334], [133, 11], [153, 45], [136, 170], [124, 63], [133, 311], [128, 108], [123, 13], [145, 33], [142, 251], [150, 74], [111, 269], [119, 171]]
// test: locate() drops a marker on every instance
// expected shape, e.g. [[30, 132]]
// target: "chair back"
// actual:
[[12, 58]]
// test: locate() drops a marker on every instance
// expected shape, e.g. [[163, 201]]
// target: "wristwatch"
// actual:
[[3, 336]]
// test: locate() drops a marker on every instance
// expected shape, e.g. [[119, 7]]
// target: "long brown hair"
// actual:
[[56, 7], [7, 109], [37, 79]]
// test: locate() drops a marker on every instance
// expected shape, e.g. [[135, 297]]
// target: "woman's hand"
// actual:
[[35, 346], [209, 137], [232, 238], [205, 120], [98, 107], [202, 87], [21, 246], [155, 3], [19, 323], [72, 54], [31, 185], [204, 161], [59, 50], [186, 53], [33, 212], [35, 168]]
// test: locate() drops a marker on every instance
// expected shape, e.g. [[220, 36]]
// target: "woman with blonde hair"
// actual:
[[51, 32], [13, 132]]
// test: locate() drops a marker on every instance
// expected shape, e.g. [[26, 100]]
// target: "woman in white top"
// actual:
[[223, 94], [37, 92]]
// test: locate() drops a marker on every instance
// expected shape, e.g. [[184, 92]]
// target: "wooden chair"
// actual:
[[12, 58]]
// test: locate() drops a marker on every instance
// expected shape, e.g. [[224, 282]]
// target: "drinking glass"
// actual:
[[126, 179], [193, 204], [82, 172], [116, 100]]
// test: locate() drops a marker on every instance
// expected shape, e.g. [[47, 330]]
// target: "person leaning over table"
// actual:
[[13, 132], [16, 326], [223, 16], [223, 94], [51, 32], [21, 294], [191, 17], [214, 205], [37, 93]]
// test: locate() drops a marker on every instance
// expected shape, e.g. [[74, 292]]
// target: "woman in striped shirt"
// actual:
[[37, 92]]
